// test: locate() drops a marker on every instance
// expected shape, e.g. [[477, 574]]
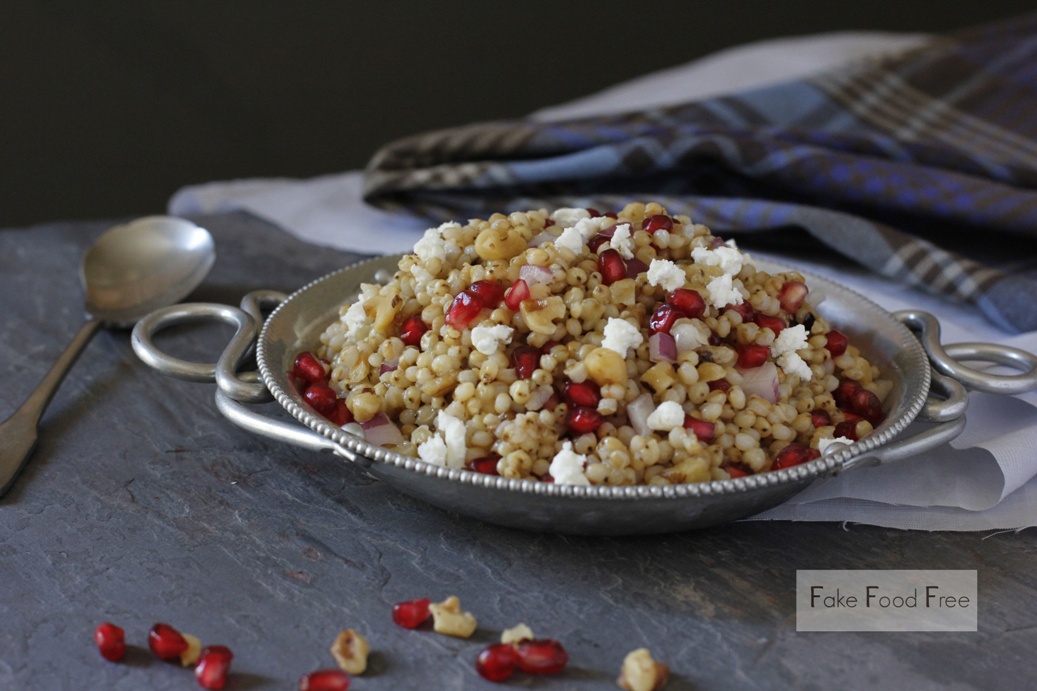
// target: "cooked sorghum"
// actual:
[[617, 349]]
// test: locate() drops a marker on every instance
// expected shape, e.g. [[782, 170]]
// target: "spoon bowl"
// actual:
[[130, 271]]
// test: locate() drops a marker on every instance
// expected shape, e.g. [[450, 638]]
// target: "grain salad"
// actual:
[[576, 347]]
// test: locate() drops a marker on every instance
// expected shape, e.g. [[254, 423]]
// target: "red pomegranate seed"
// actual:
[[552, 401], [308, 368], [340, 414], [412, 330], [324, 680], [867, 405], [766, 321], [657, 222], [690, 302], [836, 343], [525, 359], [213, 666], [751, 355], [719, 385], [635, 267], [597, 241], [744, 309], [844, 392], [544, 656], [490, 293], [411, 614], [734, 471], [611, 266], [593, 212], [583, 420], [463, 310], [322, 398], [663, 318], [820, 418], [848, 428], [792, 295], [586, 394], [111, 641], [518, 292], [165, 642], [546, 477], [794, 454], [487, 465], [705, 431], [497, 662]]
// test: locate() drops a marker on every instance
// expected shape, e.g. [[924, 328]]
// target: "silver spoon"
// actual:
[[131, 270]]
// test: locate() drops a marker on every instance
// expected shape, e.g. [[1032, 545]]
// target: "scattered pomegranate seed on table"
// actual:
[[411, 614], [497, 662], [543, 656], [165, 642], [324, 680], [111, 641], [213, 666]]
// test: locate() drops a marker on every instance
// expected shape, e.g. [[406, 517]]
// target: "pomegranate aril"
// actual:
[[586, 394], [719, 385], [166, 643], [324, 680], [744, 309], [583, 420], [544, 656], [767, 321], [635, 267], [663, 318], [611, 266], [213, 666], [110, 641], [411, 614], [752, 355], [734, 471], [597, 241], [518, 292], [794, 454], [688, 301], [594, 213], [340, 414], [490, 293], [867, 405], [705, 431], [848, 429], [792, 295], [836, 342], [844, 392], [412, 330], [487, 465], [464, 308], [820, 418], [497, 662], [322, 398], [525, 359], [656, 223], [308, 368]]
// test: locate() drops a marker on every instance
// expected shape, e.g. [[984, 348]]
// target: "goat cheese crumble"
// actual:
[[566, 217], [667, 416], [488, 339], [620, 335], [431, 245], [784, 350], [567, 466], [355, 319], [723, 291], [824, 443], [447, 446], [621, 241], [666, 274], [727, 257]]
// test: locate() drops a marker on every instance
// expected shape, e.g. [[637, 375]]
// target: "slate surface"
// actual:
[[142, 504]]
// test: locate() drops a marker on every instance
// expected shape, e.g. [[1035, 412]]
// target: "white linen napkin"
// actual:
[[984, 480]]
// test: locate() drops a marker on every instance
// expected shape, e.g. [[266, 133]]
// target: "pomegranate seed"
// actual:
[[546, 477], [688, 301], [552, 401], [111, 641], [751, 355], [705, 431], [487, 465], [597, 241], [525, 359], [518, 292], [657, 222], [497, 662], [547, 347], [820, 418], [734, 471], [610, 214], [867, 405], [165, 642], [308, 368], [213, 666], [322, 398], [794, 454], [324, 680], [340, 414], [836, 343], [766, 321], [490, 293], [844, 392], [549, 222], [719, 385], [544, 656], [593, 212], [744, 309], [586, 394], [583, 420], [663, 318], [411, 614], [463, 310], [848, 428], [412, 330], [611, 266], [792, 295], [635, 267]]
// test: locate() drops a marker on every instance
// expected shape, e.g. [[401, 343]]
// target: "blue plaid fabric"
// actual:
[[921, 166]]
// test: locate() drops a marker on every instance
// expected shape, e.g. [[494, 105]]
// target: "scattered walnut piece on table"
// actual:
[[448, 619], [350, 651], [642, 673]]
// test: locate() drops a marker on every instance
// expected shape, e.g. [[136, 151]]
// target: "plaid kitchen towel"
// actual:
[[921, 166]]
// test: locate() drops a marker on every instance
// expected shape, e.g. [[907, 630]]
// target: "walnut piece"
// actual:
[[190, 656], [447, 618], [350, 651], [517, 634], [641, 673]]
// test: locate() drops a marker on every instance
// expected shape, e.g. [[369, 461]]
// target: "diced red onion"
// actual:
[[542, 238], [388, 366], [381, 431], [762, 381], [638, 411], [533, 274], [635, 266], [662, 347]]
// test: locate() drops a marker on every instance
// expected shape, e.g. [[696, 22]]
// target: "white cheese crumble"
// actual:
[[433, 451], [729, 259], [431, 245], [784, 350], [355, 319], [669, 415], [620, 335], [566, 217], [723, 290], [447, 446], [571, 239], [824, 443], [488, 339], [567, 467], [666, 274], [621, 241]]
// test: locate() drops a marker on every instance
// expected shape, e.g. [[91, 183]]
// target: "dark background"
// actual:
[[107, 107]]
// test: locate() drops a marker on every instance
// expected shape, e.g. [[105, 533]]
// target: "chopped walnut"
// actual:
[[517, 634], [447, 618], [350, 651], [641, 673], [190, 656]]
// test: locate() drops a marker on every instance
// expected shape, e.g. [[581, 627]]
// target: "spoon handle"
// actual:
[[18, 433]]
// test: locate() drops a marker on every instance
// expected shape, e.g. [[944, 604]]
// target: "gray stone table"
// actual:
[[142, 504]]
